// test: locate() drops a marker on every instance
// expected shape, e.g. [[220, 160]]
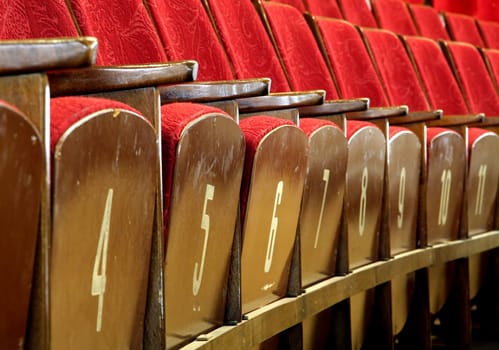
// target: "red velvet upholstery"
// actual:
[[174, 118], [474, 134], [23, 19], [487, 10], [492, 57], [309, 125], [298, 4], [254, 129], [357, 12], [394, 130], [431, 133], [394, 15], [65, 111], [301, 55], [490, 33], [463, 28], [429, 22], [396, 70], [474, 78], [187, 33], [123, 28], [350, 61], [324, 8], [246, 42], [415, 1], [353, 126], [438, 80], [461, 6]]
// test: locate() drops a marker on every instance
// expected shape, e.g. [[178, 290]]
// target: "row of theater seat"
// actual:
[[380, 180]]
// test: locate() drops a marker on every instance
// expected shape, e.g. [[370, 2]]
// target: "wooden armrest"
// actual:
[[486, 121], [100, 79], [333, 107], [416, 117], [456, 120], [211, 91], [284, 100], [378, 113], [23, 56]]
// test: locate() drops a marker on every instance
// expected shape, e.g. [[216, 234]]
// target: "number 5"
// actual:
[[99, 273]]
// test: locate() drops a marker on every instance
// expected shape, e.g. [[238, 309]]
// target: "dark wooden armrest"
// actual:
[[210, 91], [456, 120], [486, 121], [333, 107], [23, 56], [284, 100], [378, 113], [416, 117], [101, 79]]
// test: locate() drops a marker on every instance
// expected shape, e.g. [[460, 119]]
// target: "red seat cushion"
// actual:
[[187, 33], [354, 126], [461, 6], [490, 33], [394, 130], [357, 12], [487, 10], [394, 15], [474, 134], [246, 42], [301, 55], [124, 30], [429, 22], [463, 28], [65, 111], [309, 125]]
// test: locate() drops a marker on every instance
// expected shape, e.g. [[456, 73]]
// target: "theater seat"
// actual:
[[429, 22], [358, 12], [490, 33], [463, 28], [394, 15], [491, 58]]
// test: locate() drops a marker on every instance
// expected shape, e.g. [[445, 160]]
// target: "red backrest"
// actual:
[[358, 12], [35, 19], [415, 1], [487, 10], [123, 28], [396, 70], [394, 15], [429, 22], [298, 4], [438, 80], [350, 61], [474, 78], [463, 28], [246, 42], [187, 33], [300, 53], [327, 8], [490, 33], [460, 6], [492, 59]]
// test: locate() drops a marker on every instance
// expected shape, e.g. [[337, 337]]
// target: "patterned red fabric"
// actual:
[[358, 12], [394, 15], [350, 60], [174, 118], [415, 1], [301, 55], [474, 78], [492, 57], [474, 134], [254, 129], [65, 111], [394, 130], [353, 126], [463, 28], [246, 42], [490, 33], [461, 6], [309, 125], [429, 22], [28, 19], [438, 80], [487, 10], [396, 70], [324, 8], [123, 28], [298, 4], [187, 33]]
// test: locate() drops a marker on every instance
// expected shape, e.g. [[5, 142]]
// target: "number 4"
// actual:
[[99, 272]]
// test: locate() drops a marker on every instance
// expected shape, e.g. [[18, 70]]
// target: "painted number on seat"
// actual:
[[363, 201], [446, 180], [205, 226], [273, 227], [482, 176], [99, 271], [400, 216], [325, 178]]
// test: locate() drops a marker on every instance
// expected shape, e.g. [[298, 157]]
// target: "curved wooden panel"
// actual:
[[322, 203], [21, 173], [275, 195], [103, 206], [205, 197]]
